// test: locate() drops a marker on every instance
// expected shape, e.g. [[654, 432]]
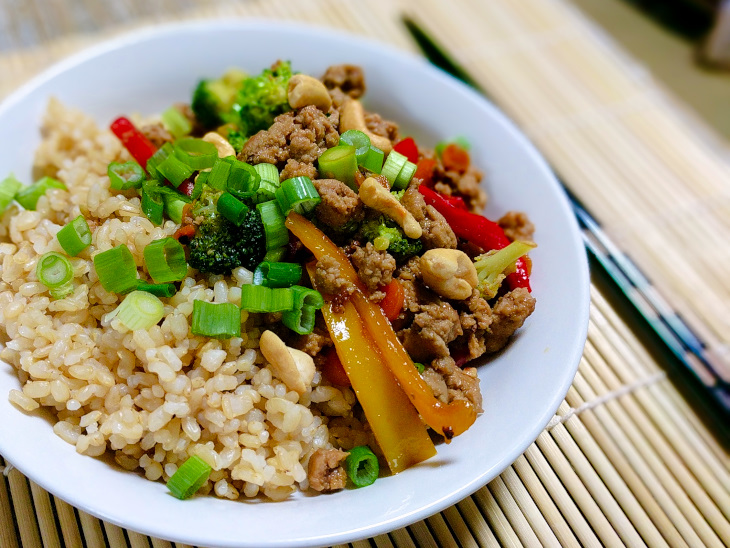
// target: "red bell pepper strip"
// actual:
[[478, 230], [392, 304], [133, 140], [456, 201], [408, 148]]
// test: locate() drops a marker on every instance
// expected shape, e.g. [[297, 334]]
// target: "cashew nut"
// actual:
[[374, 195], [293, 367], [449, 272], [352, 116], [223, 147], [304, 90]]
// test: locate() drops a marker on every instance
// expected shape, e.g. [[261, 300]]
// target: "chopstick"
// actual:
[[678, 337]]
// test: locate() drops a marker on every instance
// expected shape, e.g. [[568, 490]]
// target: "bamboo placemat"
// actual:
[[628, 460]]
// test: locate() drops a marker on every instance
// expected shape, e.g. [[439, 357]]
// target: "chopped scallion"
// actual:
[[374, 160], [116, 269], [300, 318], [75, 236], [176, 122], [157, 158], [217, 320], [139, 310], [190, 477], [9, 187], [165, 260], [196, 153], [174, 170], [277, 274], [274, 221], [175, 203], [339, 163], [362, 466], [56, 273], [393, 164], [123, 176], [152, 204], [259, 298], [232, 208], [405, 176], [359, 140], [275, 255], [243, 179], [28, 196], [218, 176], [159, 290], [298, 194]]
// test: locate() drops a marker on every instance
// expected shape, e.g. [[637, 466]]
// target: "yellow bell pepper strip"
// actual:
[[400, 433], [448, 419]]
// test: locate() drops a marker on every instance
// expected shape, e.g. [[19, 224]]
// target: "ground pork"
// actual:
[[375, 268], [449, 382], [157, 134], [517, 226], [329, 279], [298, 138], [436, 231], [314, 342], [295, 168], [325, 471], [508, 315], [433, 328], [467, 185], [350, 79], [380, 126], [339, 203]]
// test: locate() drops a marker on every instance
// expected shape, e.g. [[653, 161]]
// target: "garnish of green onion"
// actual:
[[157, 158], [339, 163], [174, 203], [218, 176], [116, 269], [152, 203], [176, 122], [277, 274], [259, 298], [374, 160], [232, 208], [75, 236], [393, 164], [165, 260], [243, 179], [300, 318], [405, 176], [275, 255], [123, 176], [158, 290], [359, 140], [299, 194], [190, 477], [200, 180], [362, 466], [28, 196], [462, 142], [196, 153], [56, 273], [138, 310], [217, 320], [277, 235], [9, 187], [174, 170]]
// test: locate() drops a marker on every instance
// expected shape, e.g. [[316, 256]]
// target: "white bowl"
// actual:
[[522, 386]]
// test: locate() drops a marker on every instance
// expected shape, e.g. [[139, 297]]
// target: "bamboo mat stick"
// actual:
[[616, 483], [544, 504], [69, 525], [421, 535], [8, 536], [513, 512], [459, 528], [115, 535], [24, 515], [137, 540], [44, 513], [477, 524], [401, 538], [529, 509], [495, 516], [640, 477], [159, 543], [383, 541], [360, 544], [443, 536], [93, 534]]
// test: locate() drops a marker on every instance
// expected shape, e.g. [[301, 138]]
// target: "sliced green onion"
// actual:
[[393, 164], [139, 310], [339, 163], [217, 320], [299, 194], [75, 236], [123, 176], [275, 255], [277, 235], [405, 176], [359, 140], [174, 170], [190, 477], [420, 367], [157, 158], [56, 273], [28, 196], [362, 466], [218, 176], [268, 172], [232, 208], [165, 260], [243, 179], [259, 298], [462, 142], [116, 269], [9, 187], [272, 274], [300, 318], [196, 153], [374, 160], [159, 290], [200, 180], [174, 205], [176, 122], [152, 204]]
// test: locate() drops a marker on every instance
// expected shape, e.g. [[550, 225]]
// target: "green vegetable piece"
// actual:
[[176, 122], [116, 269], [216, 320], [9, 187], [493, 266], [165, 260], [56, 273], [362, 466], [139, 310], [75, 236], [190, 477], [28, 196], [339, 163]]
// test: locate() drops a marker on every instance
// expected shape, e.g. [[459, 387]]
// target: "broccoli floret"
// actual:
[[213, 99], [493, 266], [219, 246], [400, 247], [236, 139], [262, 98]]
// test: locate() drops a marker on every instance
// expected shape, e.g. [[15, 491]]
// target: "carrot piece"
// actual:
[[455, 158], [392, 304], [186, 231], [333, 370], [424, 170]]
